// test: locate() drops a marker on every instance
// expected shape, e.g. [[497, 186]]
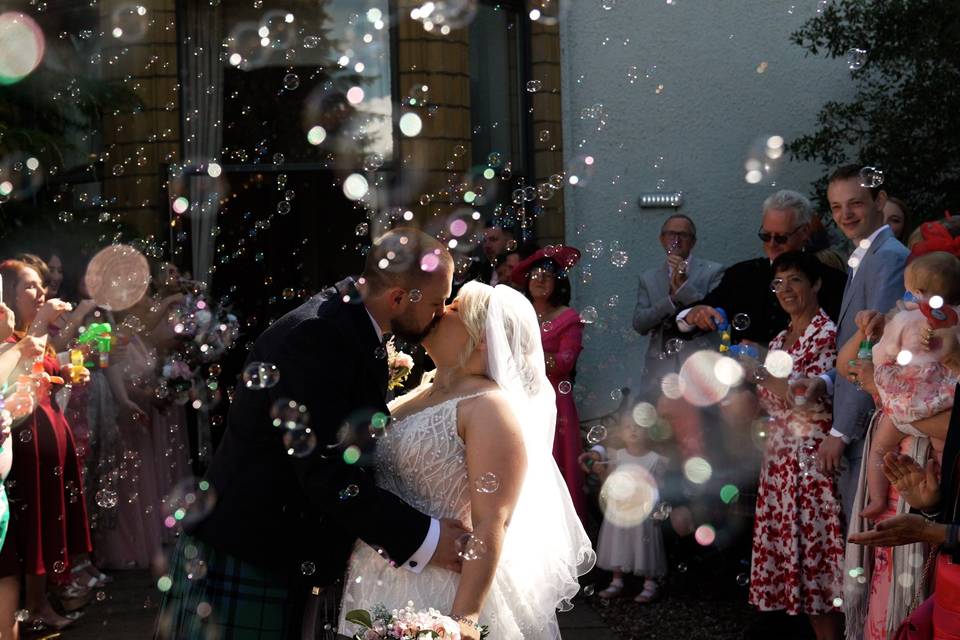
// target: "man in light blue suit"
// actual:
[[875, 282], [679, 282]]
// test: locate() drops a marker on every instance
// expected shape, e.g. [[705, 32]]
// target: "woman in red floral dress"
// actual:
[[798, 536]]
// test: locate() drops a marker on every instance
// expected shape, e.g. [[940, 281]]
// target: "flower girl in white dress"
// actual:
[[474, 443]]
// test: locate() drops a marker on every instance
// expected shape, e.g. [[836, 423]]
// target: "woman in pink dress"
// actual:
[[798, 536], [542, 277]]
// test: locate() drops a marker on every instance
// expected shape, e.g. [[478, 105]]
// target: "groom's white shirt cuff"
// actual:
[[424, 554]]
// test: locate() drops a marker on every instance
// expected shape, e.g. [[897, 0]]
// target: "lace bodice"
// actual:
[[422, 459]]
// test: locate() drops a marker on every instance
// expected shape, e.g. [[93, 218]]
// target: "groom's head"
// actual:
[[407, 278]]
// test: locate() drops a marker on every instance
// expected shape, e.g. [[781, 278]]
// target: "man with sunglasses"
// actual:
[[745, 289]]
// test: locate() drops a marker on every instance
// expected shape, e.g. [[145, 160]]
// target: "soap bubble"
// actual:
[[117, 277], [278, 29], [697, 470], [741, 322], [778, 363], [588, 590], [807, 459], [362, 229], [871, 177], [743, 580], [588, 315], [856, 58], [487, 483], [705, 535], [260, 375], [699, 383], [129, 22], [594, 248], [580, 170], [291, 81], [672, 347], [619, 259], [106, 498], [287, 414], [662, 512], [645, 414], [373, 161], [22, 615], [628, 495], [597, 434], [534, 85], [564, 387], [308, 568], [21, 46], [546, 326], [298, 439], [350, 491], [415, 295], [243, 46], [470, 547]]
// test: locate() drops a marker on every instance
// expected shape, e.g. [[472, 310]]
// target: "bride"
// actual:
[[474, 443]]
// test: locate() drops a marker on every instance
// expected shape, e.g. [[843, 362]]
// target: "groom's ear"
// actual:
[[396, 296]]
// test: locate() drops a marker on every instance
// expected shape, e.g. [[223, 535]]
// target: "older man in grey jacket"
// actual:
[[679, 282]]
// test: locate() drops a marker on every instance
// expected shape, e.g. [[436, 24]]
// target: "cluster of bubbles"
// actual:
[[445, 15], [189, 502]]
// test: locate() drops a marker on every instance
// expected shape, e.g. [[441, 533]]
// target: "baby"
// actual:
[[911, 380]]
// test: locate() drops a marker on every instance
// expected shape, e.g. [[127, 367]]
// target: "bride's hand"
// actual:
[[469, 631], [447, 555]]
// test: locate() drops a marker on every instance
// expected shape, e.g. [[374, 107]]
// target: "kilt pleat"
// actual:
[[216, 596]]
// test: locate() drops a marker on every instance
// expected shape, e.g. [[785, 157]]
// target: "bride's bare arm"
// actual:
[[494, 446]]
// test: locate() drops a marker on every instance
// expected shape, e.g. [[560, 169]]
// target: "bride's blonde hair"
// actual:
[[472, 304]]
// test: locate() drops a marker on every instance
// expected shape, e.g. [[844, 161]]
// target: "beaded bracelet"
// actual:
[[467, 621]]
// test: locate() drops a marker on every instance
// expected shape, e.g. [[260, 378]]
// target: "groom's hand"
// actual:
[[447, 554]]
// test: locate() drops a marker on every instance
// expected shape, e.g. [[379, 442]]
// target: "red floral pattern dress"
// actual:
[[797, 534]]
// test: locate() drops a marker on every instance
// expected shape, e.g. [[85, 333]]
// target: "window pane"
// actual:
[[313, 64], [496, 101]]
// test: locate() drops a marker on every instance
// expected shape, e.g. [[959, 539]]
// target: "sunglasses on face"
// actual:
[[766, 236]]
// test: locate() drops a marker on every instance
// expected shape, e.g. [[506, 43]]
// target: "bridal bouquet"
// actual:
[[404, 624], [400, 365]]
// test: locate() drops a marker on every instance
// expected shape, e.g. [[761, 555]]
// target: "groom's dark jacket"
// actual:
[[279, 510]]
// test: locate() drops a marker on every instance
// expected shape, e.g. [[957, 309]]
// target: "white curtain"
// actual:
[[201, 77], [202, 87]]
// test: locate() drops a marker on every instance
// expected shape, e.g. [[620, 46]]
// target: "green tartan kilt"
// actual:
[[217, 596]]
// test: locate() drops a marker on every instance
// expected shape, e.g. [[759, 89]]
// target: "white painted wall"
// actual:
[[713, 106]]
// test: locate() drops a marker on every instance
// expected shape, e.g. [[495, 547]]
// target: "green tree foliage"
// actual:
[[905, 116]]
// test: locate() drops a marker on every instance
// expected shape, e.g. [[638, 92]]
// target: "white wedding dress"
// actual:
[[422, 459]]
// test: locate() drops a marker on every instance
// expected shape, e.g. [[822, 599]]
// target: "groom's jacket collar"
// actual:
[[343, 300]]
